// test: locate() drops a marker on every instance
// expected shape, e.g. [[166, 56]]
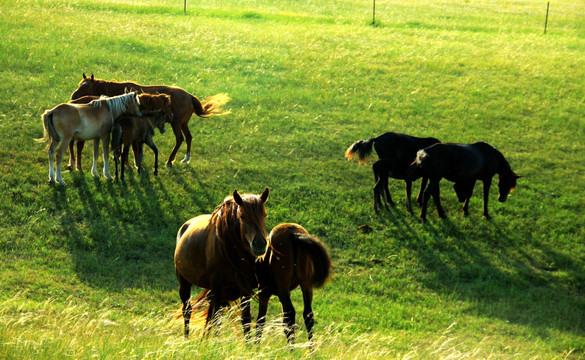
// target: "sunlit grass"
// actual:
[[87, 270]]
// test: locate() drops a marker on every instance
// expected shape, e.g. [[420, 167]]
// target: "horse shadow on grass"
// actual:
[[498, 273], [122, 235]]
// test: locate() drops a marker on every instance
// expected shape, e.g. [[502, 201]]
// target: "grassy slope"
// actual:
[[87, 269]]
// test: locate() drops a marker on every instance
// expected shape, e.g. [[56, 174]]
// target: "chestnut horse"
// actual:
[[183, 105], [67, 122], [398, 152], [462, 164], [216, 252], [150, 104], [292, 258]]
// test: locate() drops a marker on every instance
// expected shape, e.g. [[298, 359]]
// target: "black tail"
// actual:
[[363, 149], [319, 254]]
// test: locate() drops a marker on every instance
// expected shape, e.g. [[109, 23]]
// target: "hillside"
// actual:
[[86, 269]]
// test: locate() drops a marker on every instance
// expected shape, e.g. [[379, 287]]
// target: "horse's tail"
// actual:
[[363, 149], [319, 254], [196, 305], [49, 131], [211, 105], [416, 170]]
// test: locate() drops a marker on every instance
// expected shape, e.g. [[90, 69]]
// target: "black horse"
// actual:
[[396, 152], [462, 164]]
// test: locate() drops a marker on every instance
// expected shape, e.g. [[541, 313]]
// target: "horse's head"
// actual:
[[507, 185], [133, 104], [159, 104], [87, 86], [252, 216]]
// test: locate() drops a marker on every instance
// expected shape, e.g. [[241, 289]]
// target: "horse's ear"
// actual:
[[264, 195], [84, 77], [92, 79], [237, 197]]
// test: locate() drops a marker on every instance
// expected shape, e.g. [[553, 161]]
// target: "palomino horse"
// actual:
[[292, 258], [462, 164], [150, 105], [217, 252], [398, 151], [183, 104], [94, 120]]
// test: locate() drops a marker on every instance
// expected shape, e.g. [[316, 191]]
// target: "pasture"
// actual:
[[86, 269]]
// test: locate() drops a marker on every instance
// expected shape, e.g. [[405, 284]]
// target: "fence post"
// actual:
[[546, 19]]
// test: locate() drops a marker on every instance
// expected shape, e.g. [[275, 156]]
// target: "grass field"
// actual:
[[86, 270]]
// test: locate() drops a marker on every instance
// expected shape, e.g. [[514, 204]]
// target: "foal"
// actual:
[[399, 151], [462, 164], [135, 132], [293, 258]]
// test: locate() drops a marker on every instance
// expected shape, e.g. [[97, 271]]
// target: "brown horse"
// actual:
[[150, 105], [94, 120], [183, 104], [217, 252], [292, 258], [135, 132]]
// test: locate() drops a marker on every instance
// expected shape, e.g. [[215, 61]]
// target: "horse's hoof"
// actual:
[[185, 161], [169, 165]]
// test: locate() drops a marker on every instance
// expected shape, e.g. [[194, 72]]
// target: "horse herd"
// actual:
[[228, 253]]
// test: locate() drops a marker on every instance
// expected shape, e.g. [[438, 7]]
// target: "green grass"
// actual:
[[86, 270]]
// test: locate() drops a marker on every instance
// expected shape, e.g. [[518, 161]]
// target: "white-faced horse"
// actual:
[[92, 121]]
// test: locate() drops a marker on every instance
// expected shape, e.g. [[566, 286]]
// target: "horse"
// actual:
[[150, 104], [94, 120], [293, 258], [462, 164], [183, 104], [398, 151], [217, 251], [135, 132]]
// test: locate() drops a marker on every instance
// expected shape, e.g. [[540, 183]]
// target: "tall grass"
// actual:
[[87, 270]]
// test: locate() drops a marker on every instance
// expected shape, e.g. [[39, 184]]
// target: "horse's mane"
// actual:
[[116, 104], [234, 249], [504, 168]]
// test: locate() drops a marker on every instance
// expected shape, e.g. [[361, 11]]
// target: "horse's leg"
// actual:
[[63, 146], [263, 298], [389, 200], [71, 156], [178, 141], [377, 195], [80, 144], [437, 198], [96, 149], [423, 184], [425, 202], [307, 290], [486, 191], [185, 295], [106, 144], [125, 152], [288, 313], [408, 193], [246, 316], [51, 151], [467, 198], [188, 138]]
